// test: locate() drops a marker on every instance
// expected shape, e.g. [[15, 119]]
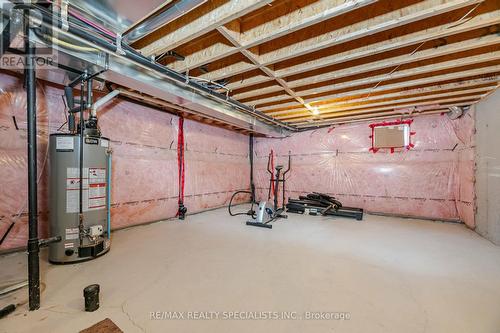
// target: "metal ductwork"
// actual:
[[159, 19], [457, 111], [79, 51]]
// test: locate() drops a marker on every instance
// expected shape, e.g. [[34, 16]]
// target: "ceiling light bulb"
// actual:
[[315, 111]]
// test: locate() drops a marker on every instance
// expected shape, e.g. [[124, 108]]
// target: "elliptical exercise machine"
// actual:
[[274, 183]]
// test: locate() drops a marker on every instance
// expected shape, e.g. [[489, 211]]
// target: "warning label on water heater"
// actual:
[[93, 186]]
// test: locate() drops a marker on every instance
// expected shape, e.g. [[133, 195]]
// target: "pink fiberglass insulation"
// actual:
[[432, 180], [144, 144], [217, 164]]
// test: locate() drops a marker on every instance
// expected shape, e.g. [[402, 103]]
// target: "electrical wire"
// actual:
[[251, 212], [62, 43]]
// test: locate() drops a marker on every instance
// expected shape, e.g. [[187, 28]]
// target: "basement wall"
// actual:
[[432, 180], [145, 171], [488, 167]]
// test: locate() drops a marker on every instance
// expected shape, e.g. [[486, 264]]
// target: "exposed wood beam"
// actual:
[[250, 56], [399, 85], [446, 65], [268, 99], [375, 117], [216, 13], [394, 19], [401, 60], [491, 83], [234, 69], [238, 68], [300, 18], [417, 82], [439, 102], [280, 106], [386, 103], [261, 91], [248, 81], [437, 109], [388, 63], [215, 52], [442, 31], [345, 34], [461, 86]]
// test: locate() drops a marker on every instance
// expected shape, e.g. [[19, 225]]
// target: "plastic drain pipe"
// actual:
[[102, 101]]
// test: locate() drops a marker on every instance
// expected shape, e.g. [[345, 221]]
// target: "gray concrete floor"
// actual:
[[388, 274]]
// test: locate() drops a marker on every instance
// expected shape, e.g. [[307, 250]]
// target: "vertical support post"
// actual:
[[250, 153], [33, 244], [181, 213], [80, 189]]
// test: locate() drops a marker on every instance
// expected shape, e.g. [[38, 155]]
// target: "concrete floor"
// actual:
[[388, 274]]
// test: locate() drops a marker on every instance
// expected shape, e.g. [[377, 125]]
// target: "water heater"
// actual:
[[86, 235]]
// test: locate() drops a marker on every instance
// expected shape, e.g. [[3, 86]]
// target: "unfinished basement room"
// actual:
[[250, 166]]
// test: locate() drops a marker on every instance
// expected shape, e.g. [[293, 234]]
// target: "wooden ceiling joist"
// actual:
[[461, 75], [239, 83], [373, 117], [401, 60], [414, 100], [226, 32], [490, 83], [298, 19], [447, 65], [407, 15], [292, 59], [390, 63], [477, 22], [200, 21], [394, 19], [407, 112], [467, 100], [418, 81]]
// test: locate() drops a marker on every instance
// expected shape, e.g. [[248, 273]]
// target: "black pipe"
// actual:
[[80, 162], [33, 245], [250, 152], [180, 151]]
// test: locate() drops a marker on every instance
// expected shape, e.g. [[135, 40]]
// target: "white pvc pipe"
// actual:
[[102, 101]]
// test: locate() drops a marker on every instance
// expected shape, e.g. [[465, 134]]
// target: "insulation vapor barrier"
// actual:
[[434, 179], [145, 163]]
